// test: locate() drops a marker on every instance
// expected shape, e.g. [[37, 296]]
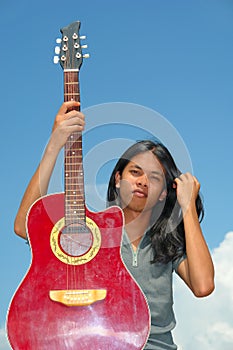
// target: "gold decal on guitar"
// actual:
[[84, 251]]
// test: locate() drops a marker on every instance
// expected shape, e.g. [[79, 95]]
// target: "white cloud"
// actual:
[[4, 345], [207, 323]]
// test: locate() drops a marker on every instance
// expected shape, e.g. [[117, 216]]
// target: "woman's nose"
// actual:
[[142, 180]]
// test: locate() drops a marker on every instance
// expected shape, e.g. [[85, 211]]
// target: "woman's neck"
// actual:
[[136, 224]]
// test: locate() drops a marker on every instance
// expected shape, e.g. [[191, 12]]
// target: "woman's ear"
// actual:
[[163, 195], [117, 179]]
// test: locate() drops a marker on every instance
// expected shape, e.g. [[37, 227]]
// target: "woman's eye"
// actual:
[[155, 178], [134, 172]]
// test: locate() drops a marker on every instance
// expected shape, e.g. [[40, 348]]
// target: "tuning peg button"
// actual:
[[83, 37], [57, 50], [84, 46], [86, 55], [58, 40], [55, 59]]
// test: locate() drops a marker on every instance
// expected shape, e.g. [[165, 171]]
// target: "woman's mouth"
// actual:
[[139, 193]]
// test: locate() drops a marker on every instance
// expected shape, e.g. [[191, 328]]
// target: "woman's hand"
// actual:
[[67, 121], [187, 189]]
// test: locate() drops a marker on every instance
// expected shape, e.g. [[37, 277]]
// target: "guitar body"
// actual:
[[120, 320]]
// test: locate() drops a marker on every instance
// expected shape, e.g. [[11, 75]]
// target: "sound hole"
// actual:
[[76, 239]]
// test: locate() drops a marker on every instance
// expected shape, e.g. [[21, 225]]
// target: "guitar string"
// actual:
[[74, 183], [74, 88], [71, 179], [67, 194], [66, 189]]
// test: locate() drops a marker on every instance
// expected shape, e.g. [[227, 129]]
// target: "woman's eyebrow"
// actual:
[[134, 165]]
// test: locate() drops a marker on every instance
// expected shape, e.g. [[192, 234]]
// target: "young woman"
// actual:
[[162, 234], [161, 209]]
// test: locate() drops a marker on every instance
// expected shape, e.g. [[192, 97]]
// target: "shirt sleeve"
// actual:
[[176, 262]]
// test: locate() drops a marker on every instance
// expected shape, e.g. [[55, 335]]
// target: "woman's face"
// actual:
[[142, 183]]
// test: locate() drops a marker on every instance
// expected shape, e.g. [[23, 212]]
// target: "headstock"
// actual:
[[70, 50]]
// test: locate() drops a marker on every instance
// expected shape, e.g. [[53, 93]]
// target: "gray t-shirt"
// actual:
[[155, 281]]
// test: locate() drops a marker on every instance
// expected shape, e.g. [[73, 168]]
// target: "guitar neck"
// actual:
[[73, 159]]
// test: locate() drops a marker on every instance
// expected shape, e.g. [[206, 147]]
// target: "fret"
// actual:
[[72, 150], [77, 197], [76, 215], [72, 191], [74, 175], [72, 158], [70, 200], [71, 163], [79, 210], [74, 208], [71, 83], [72, 172], [74, 198], [75, 189], [71, 94], [77, 183]]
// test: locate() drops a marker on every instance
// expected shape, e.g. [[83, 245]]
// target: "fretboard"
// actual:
[[73, 159]]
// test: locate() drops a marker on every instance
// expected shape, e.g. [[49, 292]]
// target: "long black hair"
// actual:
[[167, 228]]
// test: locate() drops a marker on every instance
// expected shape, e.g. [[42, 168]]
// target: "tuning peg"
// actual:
[[56, 59], [58, 40], [83, 37], [86, 55], [57, 50], [84, 46]]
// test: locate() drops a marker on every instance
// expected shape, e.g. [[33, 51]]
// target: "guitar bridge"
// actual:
[[77, 297]]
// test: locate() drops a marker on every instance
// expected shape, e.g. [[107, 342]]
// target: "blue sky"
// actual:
[[173, 57]]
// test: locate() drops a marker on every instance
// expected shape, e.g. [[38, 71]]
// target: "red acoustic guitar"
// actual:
[[77, 293]]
